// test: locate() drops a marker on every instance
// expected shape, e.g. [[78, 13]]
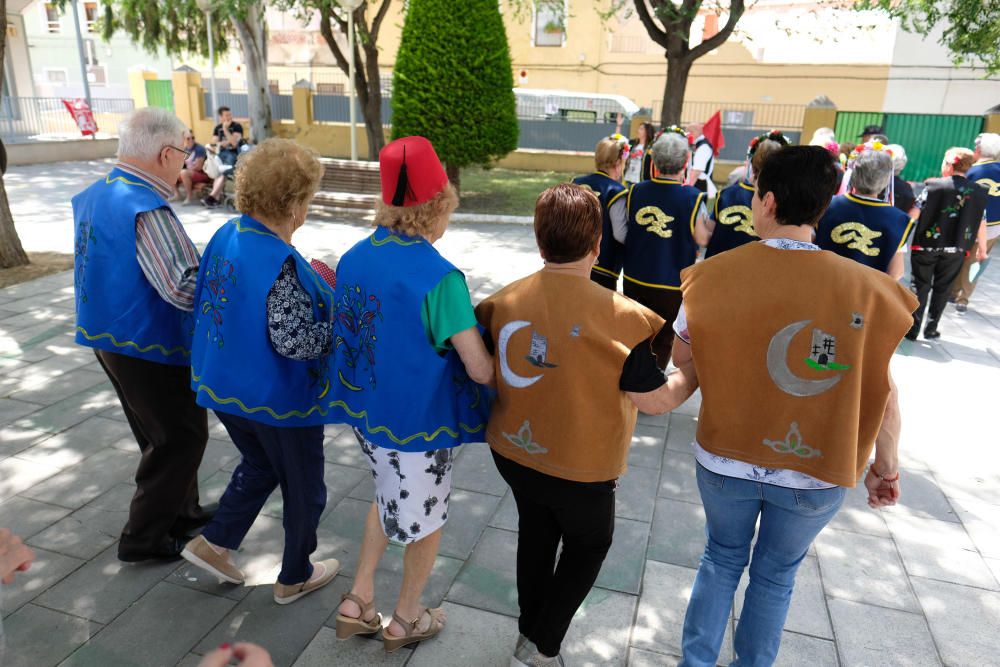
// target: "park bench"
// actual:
[[349, 184]]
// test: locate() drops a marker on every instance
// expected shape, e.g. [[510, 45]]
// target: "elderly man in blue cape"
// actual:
[[135, 276]]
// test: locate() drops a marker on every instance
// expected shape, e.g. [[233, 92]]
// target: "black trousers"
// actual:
[[665, 303], [932, 273], [604, 280], [550, 509], [172, 431]]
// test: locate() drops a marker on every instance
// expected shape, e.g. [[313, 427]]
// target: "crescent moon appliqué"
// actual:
[[777, 365], [503, 338]]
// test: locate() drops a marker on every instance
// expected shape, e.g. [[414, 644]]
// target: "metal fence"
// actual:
[[756, 115], [24, 119], [281, 105]]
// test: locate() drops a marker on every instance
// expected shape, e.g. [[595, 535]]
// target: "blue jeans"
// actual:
[[790, 519]]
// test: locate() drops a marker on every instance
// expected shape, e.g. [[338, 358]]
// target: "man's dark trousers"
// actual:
[[933, 272], [172, 431]]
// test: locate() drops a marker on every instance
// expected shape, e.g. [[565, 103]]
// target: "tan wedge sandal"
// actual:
[[348, 627], [392, 643]]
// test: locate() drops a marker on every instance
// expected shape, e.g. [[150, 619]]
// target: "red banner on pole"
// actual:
[[713, 132], [82, 116]]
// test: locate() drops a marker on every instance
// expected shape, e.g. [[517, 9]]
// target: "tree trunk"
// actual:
[[11, 252], [252, 33], [678, 70], [454, 175], [373, 109]]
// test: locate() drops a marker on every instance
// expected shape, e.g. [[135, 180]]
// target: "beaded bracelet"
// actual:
[[872, 470]]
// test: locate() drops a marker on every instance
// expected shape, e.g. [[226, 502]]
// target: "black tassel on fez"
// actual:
[[402, 184]]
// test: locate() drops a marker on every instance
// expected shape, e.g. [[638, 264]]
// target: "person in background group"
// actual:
[[228, 138], [409, 357], [656, 223], [985, 172], [637, 166], [702, 160], [731, 223], [135, 278], [777, 450], [872, 133], [609, 159], [902, 192], [950, 225], [861, 226], [263, 337], [193, 172], [573, 362]]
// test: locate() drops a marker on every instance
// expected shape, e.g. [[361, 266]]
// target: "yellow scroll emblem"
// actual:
[[741, 216], [991, 185], [857, 237], [655, 221]]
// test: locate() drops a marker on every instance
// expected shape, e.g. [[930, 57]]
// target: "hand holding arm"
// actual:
[[679, 385], [882, 478], [472, 351]]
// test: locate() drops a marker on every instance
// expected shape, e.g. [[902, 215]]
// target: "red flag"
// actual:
[[713, 132], [82, 116]]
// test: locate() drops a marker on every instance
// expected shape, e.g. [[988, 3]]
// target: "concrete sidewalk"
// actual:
[[918, 584]]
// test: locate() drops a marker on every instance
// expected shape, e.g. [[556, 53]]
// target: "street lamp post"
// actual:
[[206, 6], [79, 47], [350, 6]]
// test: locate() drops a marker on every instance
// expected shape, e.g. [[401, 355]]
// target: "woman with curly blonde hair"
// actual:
[[409, 365], [261, 345]]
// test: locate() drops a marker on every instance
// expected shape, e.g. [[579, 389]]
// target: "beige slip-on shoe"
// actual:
[[288, 593], [200, 552]]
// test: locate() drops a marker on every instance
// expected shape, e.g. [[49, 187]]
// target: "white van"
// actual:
[[541, 104]]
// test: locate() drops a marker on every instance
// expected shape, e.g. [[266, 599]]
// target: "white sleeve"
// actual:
[[681, 325], [619, 219], [701, 157]]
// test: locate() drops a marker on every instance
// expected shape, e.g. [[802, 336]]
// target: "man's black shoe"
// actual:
[[911, 334], [186, 527], [168, 549], [932, 334]]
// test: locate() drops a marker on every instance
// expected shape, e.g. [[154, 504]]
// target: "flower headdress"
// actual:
[[859, 150], [622, 142], [773, 135]]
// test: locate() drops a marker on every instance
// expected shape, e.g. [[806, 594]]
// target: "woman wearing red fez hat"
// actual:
[[409, 357]]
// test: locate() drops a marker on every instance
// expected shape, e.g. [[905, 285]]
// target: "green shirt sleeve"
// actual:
[[447, 309]]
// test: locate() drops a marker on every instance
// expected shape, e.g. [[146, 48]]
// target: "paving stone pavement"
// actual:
[[918, 584]]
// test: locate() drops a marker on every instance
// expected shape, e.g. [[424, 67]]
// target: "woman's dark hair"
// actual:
[[568, 222], [650, 134], [803, 181]]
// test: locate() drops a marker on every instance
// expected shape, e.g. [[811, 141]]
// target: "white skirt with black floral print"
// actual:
[[412, 489]]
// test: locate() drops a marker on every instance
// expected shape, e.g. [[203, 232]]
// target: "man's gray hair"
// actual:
[[872, 172], [670, 153], [989, 145], [898, 157], [146, 131]]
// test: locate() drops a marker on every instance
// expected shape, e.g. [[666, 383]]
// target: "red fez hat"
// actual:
[[411, 172]]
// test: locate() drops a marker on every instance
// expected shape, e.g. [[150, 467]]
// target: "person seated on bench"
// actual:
[[228, 139], [193, 173]]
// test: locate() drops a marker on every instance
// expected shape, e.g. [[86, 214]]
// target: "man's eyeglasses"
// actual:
[[186, 152]]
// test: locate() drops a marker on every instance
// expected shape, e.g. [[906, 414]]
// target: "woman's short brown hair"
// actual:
[[568, 223], [276, 177], [427, 219], [607, 154], [961, 159]]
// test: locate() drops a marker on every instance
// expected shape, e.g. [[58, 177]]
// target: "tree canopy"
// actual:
[[453, 82], [970, 28]]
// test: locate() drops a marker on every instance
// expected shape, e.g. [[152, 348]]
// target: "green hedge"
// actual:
[[452, 81]]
